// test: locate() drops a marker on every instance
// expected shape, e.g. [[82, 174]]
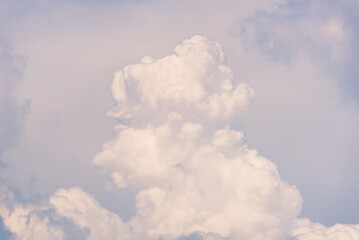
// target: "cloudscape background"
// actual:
[[179, 119]]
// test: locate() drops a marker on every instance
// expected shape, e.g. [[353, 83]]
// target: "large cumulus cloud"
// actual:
[[176, 145]]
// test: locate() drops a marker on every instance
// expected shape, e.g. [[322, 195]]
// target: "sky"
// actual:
[[156, 119]]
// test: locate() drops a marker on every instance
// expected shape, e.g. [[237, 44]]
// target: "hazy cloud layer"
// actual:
[[325, 29], [304, 102], [11, 112]]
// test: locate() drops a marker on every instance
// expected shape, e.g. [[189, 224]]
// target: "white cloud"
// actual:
[[25, 221], [195, 81], [306, 230], [85, 212], [193, 171]]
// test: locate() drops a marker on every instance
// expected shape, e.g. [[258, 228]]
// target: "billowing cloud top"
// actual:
[[194, 82]]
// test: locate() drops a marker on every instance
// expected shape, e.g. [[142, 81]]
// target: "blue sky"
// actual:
[[282, 73]]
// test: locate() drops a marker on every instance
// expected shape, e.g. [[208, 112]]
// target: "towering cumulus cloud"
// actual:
[[194, 172]]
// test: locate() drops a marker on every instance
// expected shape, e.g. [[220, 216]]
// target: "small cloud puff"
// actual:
[[304, 229], [86, 212]]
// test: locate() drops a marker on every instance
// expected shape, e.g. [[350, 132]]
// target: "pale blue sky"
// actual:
[[300, 57]]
